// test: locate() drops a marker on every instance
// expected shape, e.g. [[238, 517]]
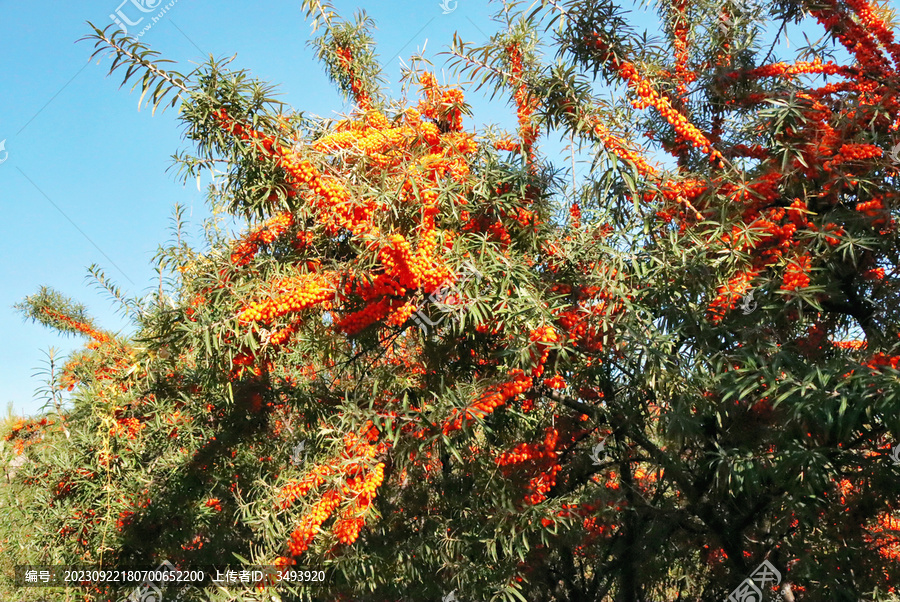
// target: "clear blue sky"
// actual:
[[85, 177]]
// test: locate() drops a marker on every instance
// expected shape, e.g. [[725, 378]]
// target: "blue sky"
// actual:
[[85, 177]]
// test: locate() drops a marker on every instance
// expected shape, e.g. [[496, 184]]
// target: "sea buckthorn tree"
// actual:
[[439, 362]]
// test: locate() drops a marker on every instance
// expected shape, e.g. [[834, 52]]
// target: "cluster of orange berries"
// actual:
[[796, 276], [126, 516], [874, 274], [780, 237], [399, 261], [586, 512], [296, 295], [575, 216], [331, 199], [129, 427], [25, 429], [85, 520], [499, 232], [507, 144], [784, 69], [231, 126], [372, 136], [523, 217], [265, 234], [876, 26], [857, 37], [779, 225], [797, 212], [452, 98], [440, 105], [853, 152], [729, 295], [68, 378], [543, 456], [621, 149], [299, 488], [81, 327], [525, 106], [684, 76], [239, 364], [685, 194], [344, 56], [432, 94], [124, 519], [492, 399], [360, 484], [855, 345], [887, 542], [368, 486], [578, 325], [834, 239], [355, 322], [25, 433], [542, 336], [363, 444], [525, 452], [367, 140], [542, 484], [63, 488], [196, 543], [883, 534], [214, 503], [882, 359], [650, 97], [404, 270], [403, 313], [279, 337], [871, 207], [556, 382], [347, 529], [303, 535]]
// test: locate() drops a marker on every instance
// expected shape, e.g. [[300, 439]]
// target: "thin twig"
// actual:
[[775, 41]]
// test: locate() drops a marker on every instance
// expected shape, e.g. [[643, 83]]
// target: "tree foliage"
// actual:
[[438, 362]]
